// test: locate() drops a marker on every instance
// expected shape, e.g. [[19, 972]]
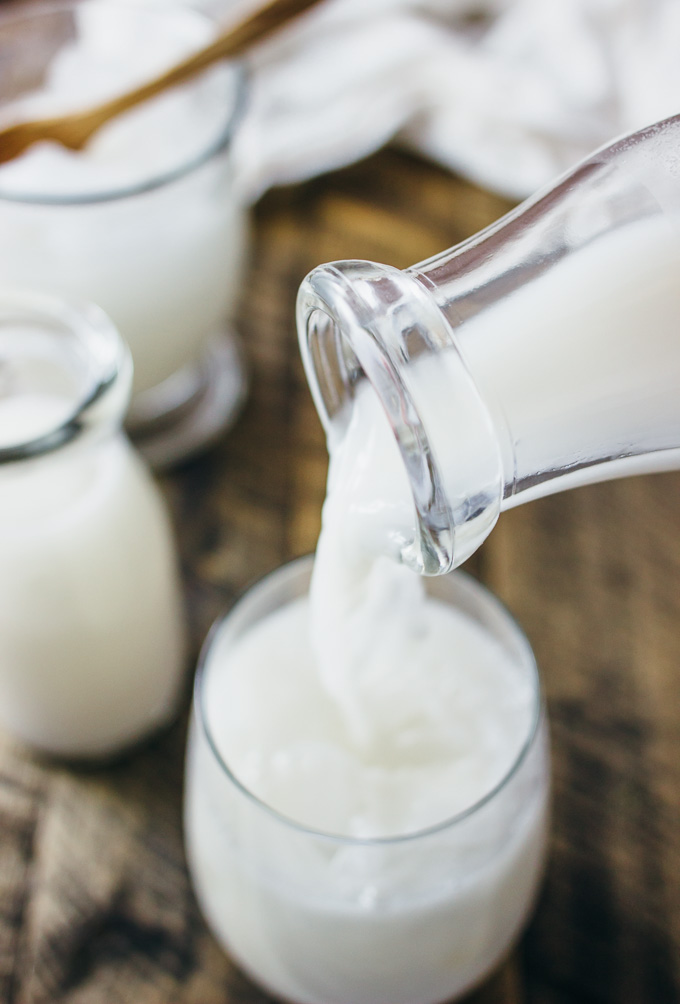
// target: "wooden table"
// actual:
[[95, 903]]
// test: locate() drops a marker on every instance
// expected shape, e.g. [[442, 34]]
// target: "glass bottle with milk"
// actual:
[[541, 354], [92, 633]]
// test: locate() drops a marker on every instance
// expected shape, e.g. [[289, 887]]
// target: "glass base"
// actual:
[[187, 412]]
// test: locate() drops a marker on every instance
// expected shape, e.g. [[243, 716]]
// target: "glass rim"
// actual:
[[299, 566], [114, 369], [159, 179]]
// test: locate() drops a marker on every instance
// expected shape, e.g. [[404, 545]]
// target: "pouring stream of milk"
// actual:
[[366, 609]]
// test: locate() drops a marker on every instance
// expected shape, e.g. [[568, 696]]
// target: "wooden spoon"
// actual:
[[74, 130]]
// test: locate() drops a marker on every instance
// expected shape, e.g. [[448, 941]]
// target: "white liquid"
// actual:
[[91, 627], [369, 712], [583, 362], [164, 264], [448, 714]]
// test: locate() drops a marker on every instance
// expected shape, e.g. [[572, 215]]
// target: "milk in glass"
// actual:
[[367, 773]]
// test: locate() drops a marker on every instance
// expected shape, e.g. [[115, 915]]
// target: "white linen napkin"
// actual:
[[507, 92]]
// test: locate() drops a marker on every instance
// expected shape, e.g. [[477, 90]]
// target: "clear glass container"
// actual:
[[92, 631], [318, 918], [539, 355], [144, 221]]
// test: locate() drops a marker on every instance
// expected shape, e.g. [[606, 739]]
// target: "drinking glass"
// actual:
[[318, 918], [145, 221]]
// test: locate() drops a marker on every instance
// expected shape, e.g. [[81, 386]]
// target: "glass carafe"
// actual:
[[541, 354]]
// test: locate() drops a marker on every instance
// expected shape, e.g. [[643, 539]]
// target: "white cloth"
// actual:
[[507, 92]]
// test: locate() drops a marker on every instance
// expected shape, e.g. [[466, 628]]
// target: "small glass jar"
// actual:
[[144, 221], [92, 630], [317, 918]]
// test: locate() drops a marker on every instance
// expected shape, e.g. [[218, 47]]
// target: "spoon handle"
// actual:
[[75, 129], [257, 26]]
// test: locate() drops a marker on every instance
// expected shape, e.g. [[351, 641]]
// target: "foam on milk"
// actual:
[[435, 740]]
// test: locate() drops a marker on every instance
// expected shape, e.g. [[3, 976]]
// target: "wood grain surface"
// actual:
[[95, 902]]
